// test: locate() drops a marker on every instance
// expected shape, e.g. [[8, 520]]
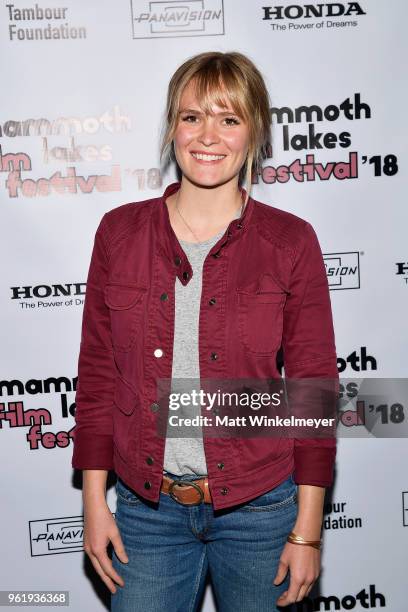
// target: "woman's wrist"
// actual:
[[298, 540], [310, 512], [307, 530], [310, 530], [94, 485]]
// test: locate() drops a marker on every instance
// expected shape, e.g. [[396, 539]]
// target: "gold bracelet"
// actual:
[[296, 539]]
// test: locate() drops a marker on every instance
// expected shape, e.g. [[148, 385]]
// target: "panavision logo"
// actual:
[[343, 270], [363, 599], [177, 18], [57, 535], [318, 10]]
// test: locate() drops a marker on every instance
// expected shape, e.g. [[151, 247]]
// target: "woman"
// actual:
[[203, 282]]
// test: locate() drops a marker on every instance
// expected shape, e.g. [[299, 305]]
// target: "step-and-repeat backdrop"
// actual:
[[83, 93]]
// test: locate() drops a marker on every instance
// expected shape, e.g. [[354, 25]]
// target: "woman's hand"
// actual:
[[99, 529], [303, 562]]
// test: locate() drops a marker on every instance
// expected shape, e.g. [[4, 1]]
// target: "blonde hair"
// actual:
[[218, 76]]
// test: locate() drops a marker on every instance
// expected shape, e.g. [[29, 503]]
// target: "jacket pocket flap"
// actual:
[[263, 290], [121, 297], [125, 398], [261, 298]]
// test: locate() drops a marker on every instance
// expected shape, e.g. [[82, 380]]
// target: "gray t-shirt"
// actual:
[[184, 454]]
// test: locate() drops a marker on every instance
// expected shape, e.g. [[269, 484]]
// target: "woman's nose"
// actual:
[[208, 134]]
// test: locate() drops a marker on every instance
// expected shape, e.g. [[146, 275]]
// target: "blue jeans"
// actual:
[[171, 547]]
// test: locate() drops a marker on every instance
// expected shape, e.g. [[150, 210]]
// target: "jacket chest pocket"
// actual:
[[260, 318], [125, 303]]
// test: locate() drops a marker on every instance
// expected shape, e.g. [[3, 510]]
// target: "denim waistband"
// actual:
[[183, 476]]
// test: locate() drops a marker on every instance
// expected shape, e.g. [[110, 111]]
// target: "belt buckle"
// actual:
[[188, 483]]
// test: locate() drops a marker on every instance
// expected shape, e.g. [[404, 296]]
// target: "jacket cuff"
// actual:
[[92, 451], [314, 465]]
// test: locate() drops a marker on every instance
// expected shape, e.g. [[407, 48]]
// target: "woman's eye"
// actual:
[[231, 121]]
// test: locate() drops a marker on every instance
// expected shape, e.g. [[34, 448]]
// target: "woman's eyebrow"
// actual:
[[193, 110], [189, 110]]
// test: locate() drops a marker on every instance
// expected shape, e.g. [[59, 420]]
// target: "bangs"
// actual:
[[219, 85]]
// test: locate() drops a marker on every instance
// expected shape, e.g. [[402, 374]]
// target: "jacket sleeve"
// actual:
[[92, 434], [309, 351]]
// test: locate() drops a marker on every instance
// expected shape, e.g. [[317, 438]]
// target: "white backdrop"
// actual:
[[82, 99]]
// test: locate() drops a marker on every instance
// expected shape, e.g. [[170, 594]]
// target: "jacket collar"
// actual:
[[170, 245]]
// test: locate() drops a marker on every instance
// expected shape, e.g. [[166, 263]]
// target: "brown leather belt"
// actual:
[[187, 492]]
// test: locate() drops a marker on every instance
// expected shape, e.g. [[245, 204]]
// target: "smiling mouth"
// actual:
[[207, 157]]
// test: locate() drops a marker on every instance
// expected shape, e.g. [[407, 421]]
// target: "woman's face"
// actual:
[[210, 149]]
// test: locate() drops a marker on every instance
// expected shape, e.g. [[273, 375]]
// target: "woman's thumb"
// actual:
[[120, 550], [281, 573]]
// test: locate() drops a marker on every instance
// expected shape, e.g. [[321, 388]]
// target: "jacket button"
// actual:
[[186, 275], [164, 297], [239, 226], [177, 260], [212, 301], [158, 352], [149, 460], [147, 485], [154, 407], [214, 356], [224, 491], [220, 466]]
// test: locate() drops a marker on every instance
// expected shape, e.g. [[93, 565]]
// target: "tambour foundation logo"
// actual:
[[343, 270], [41, 23], [177, 18]]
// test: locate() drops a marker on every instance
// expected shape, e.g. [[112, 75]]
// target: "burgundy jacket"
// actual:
[[264, 287]]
